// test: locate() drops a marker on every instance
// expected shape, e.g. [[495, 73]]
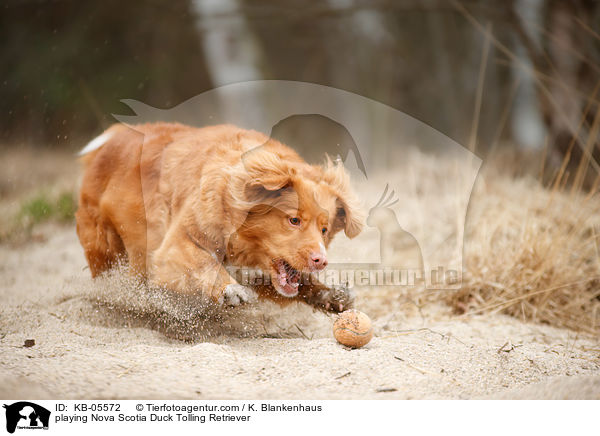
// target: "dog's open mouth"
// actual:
[[288, 278]]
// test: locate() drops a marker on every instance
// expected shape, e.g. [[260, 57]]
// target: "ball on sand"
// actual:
[[353, 329]]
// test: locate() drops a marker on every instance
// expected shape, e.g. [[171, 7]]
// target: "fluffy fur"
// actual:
[[180, 204]]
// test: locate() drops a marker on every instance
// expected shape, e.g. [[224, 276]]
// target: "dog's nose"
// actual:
[[318, 260]]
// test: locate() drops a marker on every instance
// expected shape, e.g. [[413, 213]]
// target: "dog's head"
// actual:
[[292, 211]]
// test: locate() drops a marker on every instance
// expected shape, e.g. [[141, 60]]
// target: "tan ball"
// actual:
[[353, 329]]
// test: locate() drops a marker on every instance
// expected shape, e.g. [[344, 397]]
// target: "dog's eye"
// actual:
[[295, 221], [324, 230]]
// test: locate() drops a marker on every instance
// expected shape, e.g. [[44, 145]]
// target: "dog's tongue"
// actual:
[[288, 282]]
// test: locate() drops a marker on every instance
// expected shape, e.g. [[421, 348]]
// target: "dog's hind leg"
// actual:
[[101, 243]]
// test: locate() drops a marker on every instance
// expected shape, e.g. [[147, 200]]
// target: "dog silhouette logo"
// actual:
[[377, 144], [314, 136], [26, 415]]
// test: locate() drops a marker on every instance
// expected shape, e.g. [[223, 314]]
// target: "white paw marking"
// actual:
[[236, 295]]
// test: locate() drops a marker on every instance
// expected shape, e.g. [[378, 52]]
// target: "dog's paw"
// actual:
[[236, 295], [335, 299]]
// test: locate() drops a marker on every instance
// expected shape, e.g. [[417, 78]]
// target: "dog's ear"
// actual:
[[259, 178], [349, 215], [266, 169], [348, 218]]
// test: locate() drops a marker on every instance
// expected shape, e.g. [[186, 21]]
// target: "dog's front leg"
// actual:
[[182, 265], [336, 298], [328, 299]]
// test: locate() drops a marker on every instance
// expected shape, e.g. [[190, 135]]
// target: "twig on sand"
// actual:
[[127, 371], [447, 336], [416, 368], [507, 347], [535, 365], [56, 316], [343, 375], [301, 332]]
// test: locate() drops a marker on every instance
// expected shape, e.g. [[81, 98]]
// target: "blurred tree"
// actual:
[[66, 64], [420, 57], [565, 53]]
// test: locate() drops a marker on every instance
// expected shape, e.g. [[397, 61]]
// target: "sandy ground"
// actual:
[[109, 339]]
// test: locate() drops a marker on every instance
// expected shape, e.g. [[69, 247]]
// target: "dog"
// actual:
[[180, 205]]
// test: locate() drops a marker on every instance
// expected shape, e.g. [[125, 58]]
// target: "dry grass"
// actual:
[[532, 252], [531, 248]]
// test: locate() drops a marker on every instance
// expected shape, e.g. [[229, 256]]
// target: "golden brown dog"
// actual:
[[181, 204]]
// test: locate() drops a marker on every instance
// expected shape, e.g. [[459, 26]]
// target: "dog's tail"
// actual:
[[88, 152]]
